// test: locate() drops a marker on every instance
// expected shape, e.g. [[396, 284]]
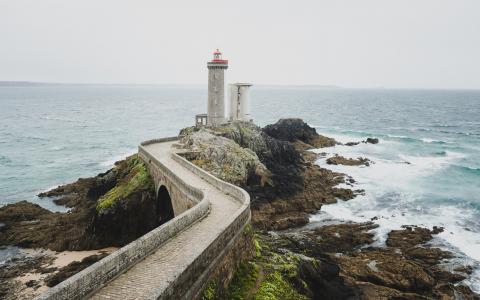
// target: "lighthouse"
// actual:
[[216, 89]]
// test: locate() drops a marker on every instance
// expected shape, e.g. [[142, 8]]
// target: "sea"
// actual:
[[425, 170]]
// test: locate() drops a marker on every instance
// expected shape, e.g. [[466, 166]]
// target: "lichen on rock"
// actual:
[[224, 158]]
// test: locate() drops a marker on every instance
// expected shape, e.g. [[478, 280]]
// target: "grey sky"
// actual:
[[368, 43]]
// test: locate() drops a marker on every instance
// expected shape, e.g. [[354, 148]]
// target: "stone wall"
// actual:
[[192, 282], [183, 196], [194, 278], [93, 277]]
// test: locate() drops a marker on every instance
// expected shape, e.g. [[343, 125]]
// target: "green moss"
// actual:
[[286, 263], [210, 291], [275, 287], [248, 230], [138, 177], [243, 282], [269, 276], [258, 248]]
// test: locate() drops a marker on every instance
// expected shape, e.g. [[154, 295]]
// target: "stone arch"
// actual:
[[164, 205]]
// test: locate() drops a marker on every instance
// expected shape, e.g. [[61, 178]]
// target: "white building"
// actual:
[[239, 96], [240, 102]]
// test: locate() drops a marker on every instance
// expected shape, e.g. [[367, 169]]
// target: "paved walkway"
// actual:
[[170, 259]]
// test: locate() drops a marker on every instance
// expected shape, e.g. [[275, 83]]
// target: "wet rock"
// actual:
[[10, 287], [340, 160], [408, 237], [72, 269], [427, 255], [338, 238], [371, 141], [88, 225], [352, 143], [451, 291], [323, 281], [386, 268], [21, 211], [464, 269]]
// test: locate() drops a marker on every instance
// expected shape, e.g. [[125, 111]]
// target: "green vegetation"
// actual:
[[210, 291], [268, 277], [137, 178], [243, 282], [276, 287]]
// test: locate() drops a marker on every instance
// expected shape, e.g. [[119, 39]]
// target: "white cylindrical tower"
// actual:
[[240, 102], [216, 89]]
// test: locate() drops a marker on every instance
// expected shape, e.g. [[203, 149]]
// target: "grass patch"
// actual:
[[270, 276], [137, 178]]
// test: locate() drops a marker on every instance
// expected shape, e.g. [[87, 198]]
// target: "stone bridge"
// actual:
[[175, 260]]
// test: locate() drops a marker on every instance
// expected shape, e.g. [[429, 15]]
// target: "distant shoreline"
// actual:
[[261, 86]]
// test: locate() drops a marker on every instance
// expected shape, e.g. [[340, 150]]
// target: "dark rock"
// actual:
[[340, 160], [408, 237], [339, 238], [324, 281], [21, 211], [31, 283], [299, 187], [84, 227], [388, 269], [352, 143], [371, 141], [72, 269], [291, 130], [464, 269]]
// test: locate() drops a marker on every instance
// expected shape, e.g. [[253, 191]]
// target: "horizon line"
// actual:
[[26, 83]]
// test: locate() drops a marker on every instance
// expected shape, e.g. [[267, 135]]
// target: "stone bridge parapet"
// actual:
[[195, 205]]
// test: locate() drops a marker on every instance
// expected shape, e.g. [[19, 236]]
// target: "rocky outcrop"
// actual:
[[224, 158], [292, 130], [340, 160], [332, 261], [367, 141], [288, 188], [335, 262], [72, 269], [110, 209]]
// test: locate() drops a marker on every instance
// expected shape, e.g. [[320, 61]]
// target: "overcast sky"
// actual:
[[367, 43]]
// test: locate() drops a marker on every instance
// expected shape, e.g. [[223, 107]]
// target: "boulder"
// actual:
[[340, 160], [292, 130]]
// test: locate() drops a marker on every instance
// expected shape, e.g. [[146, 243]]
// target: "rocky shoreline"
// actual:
[[325, 261], [290, 259]]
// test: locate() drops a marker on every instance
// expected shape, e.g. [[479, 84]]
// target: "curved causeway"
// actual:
[[179, 267]]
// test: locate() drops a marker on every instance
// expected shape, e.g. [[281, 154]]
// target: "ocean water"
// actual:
[[426, 167]]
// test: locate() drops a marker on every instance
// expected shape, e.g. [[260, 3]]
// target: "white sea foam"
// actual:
[[397, 136], [394, 196], [433, 141], [58, 148], [111, 161]]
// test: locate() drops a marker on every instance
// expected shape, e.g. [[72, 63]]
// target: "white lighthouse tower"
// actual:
[[216, 89]]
